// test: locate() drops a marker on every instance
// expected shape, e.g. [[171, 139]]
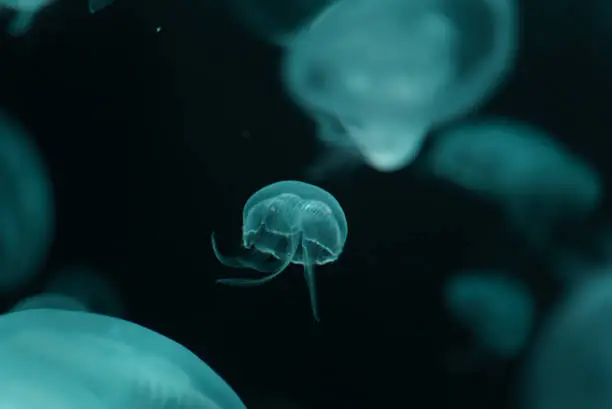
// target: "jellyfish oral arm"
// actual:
[[274, 268], [309, 275]]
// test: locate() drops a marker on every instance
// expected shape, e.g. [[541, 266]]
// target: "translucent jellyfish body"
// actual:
[[85, 360], [388, 70], [571, 362], [25, 13], [89, 288], [498, 310], [288, 222], [49, 301], [538, 182], [276, 20], [26, 207]]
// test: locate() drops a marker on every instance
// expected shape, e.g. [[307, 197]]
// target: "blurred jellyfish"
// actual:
[[26, 207], [540, 184], [83, 360], [276, 20], [25, 13], [497, 310], [89, 288], [388, 70], [288, 222], [98, 5], [49, 301], [571, 363]]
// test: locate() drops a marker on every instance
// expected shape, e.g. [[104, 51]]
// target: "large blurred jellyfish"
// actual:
[[26, 207], [388, 70], [288, 222], [49, 301], [571, 363], [495, 308], [24, 14], [541, 185], [79, 360], [276, 21], [87, 287], [98, 5]]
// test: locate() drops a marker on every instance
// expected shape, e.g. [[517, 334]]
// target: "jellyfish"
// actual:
[[75, 358], [275, 21], [88, 287], [541, 186], [387, 71], [570, 365], [25, 12], [49, 301], [288, 222], [26, 207], [498, 310], [98, 5]]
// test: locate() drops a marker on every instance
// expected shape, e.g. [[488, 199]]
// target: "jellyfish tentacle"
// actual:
[[309, 275], [235, 262], [249, 282]]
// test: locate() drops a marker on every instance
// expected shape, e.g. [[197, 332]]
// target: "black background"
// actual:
[[156, 139]]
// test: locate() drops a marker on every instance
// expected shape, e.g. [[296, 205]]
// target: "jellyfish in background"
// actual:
[[26, 207], [541, 186], [389, 70], [87, 287], [284, 223], [498, 310], [25, 12], [99, 5], [276, 20], [49, 301], [570, 366], [93, 361]]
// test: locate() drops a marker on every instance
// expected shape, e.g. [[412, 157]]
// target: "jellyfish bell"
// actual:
[[122, 364], [49, 301], [381, 63], [570, 364], [388, 146], [540, 184], [26, 207], [290, 222], [275, 21], [88, 287], [498, 310], [25, 14]]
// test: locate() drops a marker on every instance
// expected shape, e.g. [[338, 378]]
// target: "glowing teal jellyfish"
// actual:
[[498, 310], [26, 207], [570, 365], [26, 12], [276, 20], [388, 70], [538, 182], [88, 287], [288, 222], [49, 301], [83, 360]]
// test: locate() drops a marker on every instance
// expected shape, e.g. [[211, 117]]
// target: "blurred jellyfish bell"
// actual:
[[89, 288], [84, 360], [389, 70], [570, 366], [26, 207], [496, 309], [539, 183], [49, 301], [276, 20]]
